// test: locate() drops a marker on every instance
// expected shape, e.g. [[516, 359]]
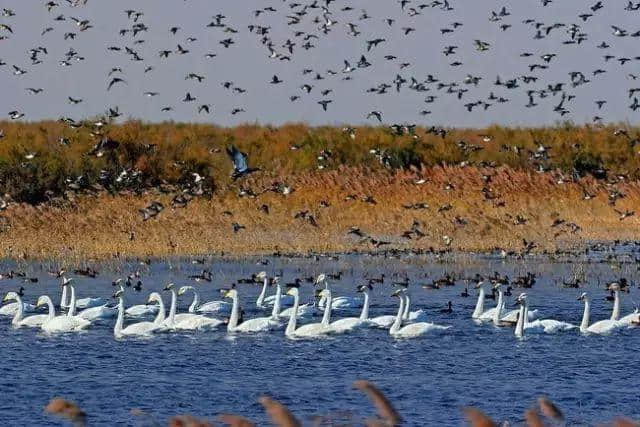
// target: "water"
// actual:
[[591, 378]]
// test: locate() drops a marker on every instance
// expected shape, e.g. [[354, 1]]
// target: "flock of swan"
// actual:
[[404, 324]]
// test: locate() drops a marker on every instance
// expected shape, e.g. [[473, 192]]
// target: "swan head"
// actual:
[[42, 301], [262, 275], [116, 282], [323, 293], [522, 298], [583, 297], [292, 290], [154, 298], [10, 296], [321, 278], [118, 293], [169, 287], [229, 293], [615, 286], [398, 293], [183, 290], [364, 288], [479, 284], [66, 281]]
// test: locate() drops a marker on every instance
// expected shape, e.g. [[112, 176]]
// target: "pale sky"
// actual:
[[247, 63]]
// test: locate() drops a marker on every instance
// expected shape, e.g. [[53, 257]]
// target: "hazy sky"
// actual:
[[248, 65]]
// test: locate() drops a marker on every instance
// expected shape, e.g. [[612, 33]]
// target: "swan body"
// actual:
[[139, 329], [12, 308], [60, 324], [91, 314], [412, 316], [342, 303], [632, 318], [211, 307], [81, 303], [490, 315], [259, 324], [189, 321], [304, 310], [18, 319], [603, 326], [547, 326], [141, 310], [412, 330], [349, 324], [311, 330]]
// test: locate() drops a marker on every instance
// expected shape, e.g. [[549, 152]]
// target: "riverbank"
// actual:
[[347, 209]]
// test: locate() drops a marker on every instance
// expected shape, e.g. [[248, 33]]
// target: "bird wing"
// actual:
[[238, 158]]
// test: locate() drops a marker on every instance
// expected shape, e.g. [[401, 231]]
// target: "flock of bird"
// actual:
[[290, 32], [148, 319]]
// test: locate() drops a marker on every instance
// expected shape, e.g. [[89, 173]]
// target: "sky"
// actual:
[[248, 65]]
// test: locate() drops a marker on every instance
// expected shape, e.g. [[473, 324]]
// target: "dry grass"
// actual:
[[544, 413], [516, 203], [104, 226]]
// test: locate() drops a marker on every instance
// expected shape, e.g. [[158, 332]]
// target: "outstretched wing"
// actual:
[[238, 158]]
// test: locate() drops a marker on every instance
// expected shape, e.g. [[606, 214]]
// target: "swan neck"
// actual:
[[407, 303], [233, 320], [520, 324], [196, 302], [398, 322], [72, 305], [172, 308], [326, 317], [479, 305], [120, 320], [615, 314], [585, 316], [161, 316], [498, 313], [52, 309], [63, 299], [260, 300], [364, 314], [291, 326], [17, 318], [275, 313]]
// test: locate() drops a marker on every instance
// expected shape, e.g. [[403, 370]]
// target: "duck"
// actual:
[[19, 320], [60, 324], [447, 310]]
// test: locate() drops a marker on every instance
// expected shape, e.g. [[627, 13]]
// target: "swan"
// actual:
[[141, 328], [310, 330], [258, 324], [478, 312], [348, 324], [548, 326], [58, 324], [602, 327], [11, 309], [81, 303], [190, 321], [338, 303], [412, 330], [91, 314], [144, 310], [283, 300], [210, 307], [412, 316], [627, 320], [18, 319], [260, 301]]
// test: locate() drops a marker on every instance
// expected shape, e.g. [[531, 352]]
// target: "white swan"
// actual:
[[282, 300], [349, 324], [144, 310], [479, 313], [18, 319], [412, 330], [338, 303], [412, 316], [11, 309], [258, 324], [210, 307], [190, 321], [310, 330], [58, 324], [548, 326], [602, 327], [140, 329], [265, 282], [81, 303], [91, 314]]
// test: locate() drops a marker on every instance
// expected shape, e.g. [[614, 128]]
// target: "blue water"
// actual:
[[591, 378]]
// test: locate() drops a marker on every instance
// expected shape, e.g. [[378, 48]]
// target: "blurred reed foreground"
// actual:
[[71, 189], [543, 413]]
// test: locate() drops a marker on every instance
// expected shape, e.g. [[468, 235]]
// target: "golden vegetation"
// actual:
[[460, 197], [544, 413]]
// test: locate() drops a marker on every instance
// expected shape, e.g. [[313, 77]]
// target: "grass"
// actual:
[[498, 195], [543, 412]]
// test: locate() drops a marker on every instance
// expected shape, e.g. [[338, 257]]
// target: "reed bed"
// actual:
[[45, 219], [544, 412]]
